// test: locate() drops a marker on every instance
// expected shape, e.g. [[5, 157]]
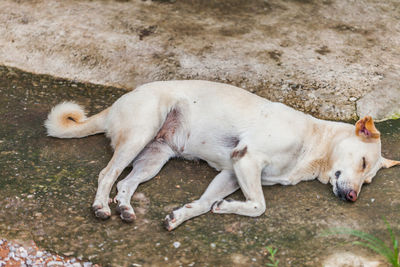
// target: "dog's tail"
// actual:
[[68, 120]]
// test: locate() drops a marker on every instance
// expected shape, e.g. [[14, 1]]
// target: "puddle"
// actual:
[[48, 185]]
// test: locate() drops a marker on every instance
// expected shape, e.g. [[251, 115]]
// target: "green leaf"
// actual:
[[365, 236], [395, 244], [369, 241], [385, 253]]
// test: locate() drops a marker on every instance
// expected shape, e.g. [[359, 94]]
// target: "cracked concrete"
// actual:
[[323, 57]]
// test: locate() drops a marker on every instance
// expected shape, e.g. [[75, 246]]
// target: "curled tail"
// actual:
[[68, 120]]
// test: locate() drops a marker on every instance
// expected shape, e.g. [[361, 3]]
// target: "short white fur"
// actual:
[[250, 140]]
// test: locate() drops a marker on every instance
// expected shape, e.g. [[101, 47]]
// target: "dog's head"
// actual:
[[356, 159]]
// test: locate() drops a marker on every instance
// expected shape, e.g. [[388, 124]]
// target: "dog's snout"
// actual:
[[346, 194], [351, 196]]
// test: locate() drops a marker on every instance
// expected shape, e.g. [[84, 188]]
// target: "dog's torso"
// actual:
[[210, 121]]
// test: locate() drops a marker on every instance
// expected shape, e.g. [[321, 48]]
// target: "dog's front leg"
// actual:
[[248, 172], [224, 184]]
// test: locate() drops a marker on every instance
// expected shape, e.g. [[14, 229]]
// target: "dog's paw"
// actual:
[[126, 212], [170, 222], [101, 211], [219, 206]]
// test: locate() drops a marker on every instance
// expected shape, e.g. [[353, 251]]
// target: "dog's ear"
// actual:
[[365, 128], [387, 163]]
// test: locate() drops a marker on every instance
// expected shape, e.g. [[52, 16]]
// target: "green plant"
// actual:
[[367, 240], [273, 262]]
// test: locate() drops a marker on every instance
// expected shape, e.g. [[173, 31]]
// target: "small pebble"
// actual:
[[22, 252], [213, 245], [55, 263], [177, 244], [372, 199]]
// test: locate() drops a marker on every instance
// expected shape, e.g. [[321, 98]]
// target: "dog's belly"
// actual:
[[277, 172], [215, 155], [271, 180]]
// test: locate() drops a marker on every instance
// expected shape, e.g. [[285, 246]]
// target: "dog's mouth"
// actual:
[[336, 190], [340, 193], [344, 194]]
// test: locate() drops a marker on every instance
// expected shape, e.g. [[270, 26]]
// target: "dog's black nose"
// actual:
[[351, 196]]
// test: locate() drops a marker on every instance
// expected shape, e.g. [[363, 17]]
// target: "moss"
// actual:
[[394, 116]]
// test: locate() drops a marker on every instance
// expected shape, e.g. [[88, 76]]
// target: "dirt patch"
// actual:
[[323, 50], [143, 32]]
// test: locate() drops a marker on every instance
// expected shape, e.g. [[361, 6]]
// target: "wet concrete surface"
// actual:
[[47, 186]]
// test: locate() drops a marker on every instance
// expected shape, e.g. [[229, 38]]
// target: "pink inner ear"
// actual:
[[365, 132]]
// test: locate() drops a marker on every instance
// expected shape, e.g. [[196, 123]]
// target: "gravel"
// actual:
[[15, 254]]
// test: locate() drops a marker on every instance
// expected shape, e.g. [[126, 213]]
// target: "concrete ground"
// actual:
[[47, 186], [335, 59]]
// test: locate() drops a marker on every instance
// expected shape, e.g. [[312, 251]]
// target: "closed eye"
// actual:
[[364, 163]]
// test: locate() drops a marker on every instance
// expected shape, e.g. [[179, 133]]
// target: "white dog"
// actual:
[[252, 141]]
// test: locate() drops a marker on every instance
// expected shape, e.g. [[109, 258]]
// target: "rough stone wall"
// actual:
[[330, 58]]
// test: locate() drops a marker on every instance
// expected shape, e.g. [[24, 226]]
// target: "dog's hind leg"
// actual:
[[224, 184], [126, 150], [147, 164], [248, 173]]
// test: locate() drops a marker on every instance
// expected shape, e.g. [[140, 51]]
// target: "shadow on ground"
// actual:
[[47, 187]]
